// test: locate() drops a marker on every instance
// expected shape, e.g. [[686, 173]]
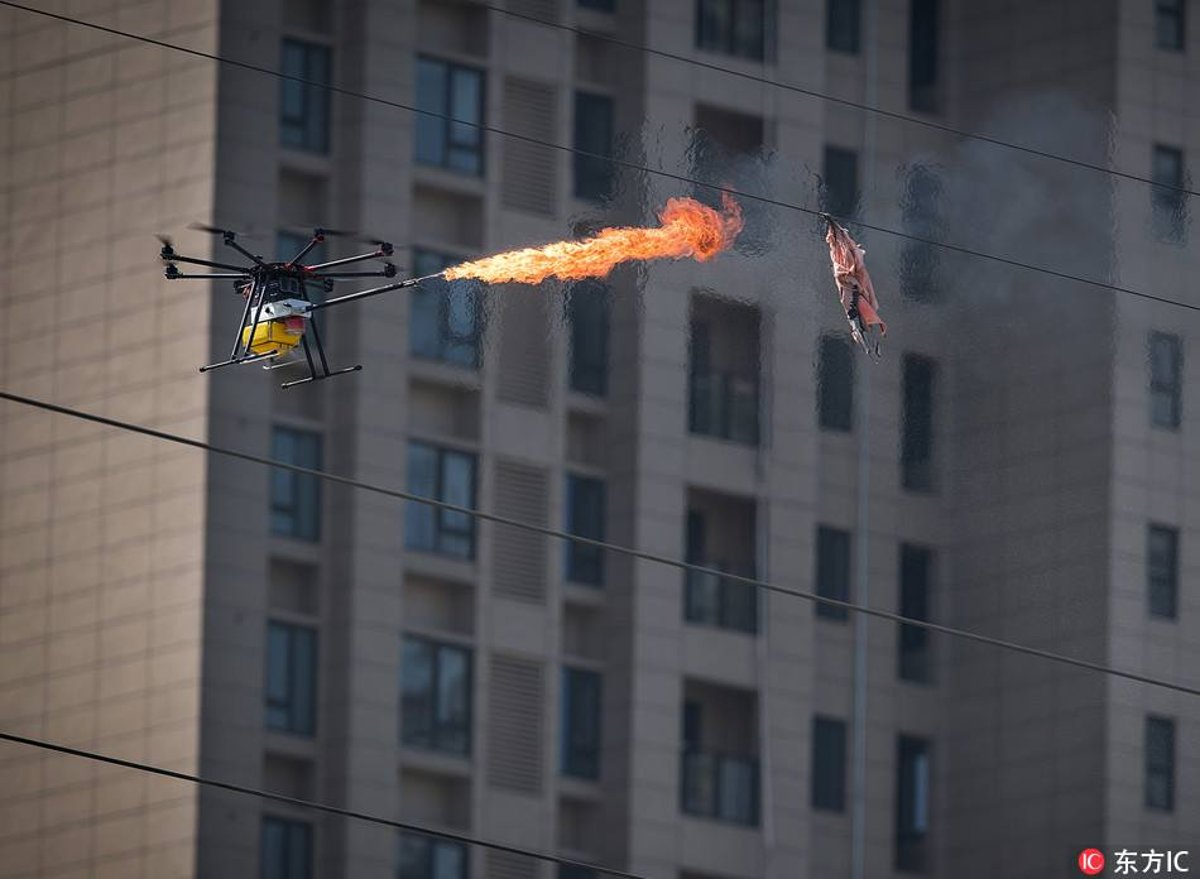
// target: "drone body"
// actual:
[[278, 315]]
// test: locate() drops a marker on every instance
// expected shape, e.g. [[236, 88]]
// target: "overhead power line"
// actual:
[[310, 804], [624, 163], [951, 631], [833, 99]]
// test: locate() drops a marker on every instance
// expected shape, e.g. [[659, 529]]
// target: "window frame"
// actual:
[[308, 95], [580, 748], [1170, 14], [830, 393], [846, 39], [1167, 205], [589, 375], [1162, 582], [924, 57], [1170, 388], [299, 719], [447, 121], [730, 40], [1158, 766], [287, 826], [439, 295], [585, 555], [439, 729], [836, 162], [918, 429], [914, 803], [294, 485], [431, 846], [601, 172], [829, 538], [824, 798], [914, 660], [440, 518]]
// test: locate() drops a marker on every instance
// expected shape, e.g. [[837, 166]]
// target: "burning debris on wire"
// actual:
[[854, 287]]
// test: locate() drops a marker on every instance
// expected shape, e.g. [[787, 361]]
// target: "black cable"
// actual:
[[309, 804], [601, 544], [610, 159], [833, 99]]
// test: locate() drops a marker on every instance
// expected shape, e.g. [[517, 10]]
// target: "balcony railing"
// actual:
[[713, 600], [724, 405], [720, 786]]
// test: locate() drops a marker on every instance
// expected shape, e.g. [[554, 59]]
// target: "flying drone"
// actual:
[[277, 317]]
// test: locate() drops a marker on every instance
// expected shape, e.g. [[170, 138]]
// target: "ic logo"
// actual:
[[1091, 861]]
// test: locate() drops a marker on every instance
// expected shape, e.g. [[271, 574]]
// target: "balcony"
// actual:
[[724, 405], [713, 600], [722, 787]]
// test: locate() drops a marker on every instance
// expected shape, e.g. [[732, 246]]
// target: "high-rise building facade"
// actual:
[[1016, 465]]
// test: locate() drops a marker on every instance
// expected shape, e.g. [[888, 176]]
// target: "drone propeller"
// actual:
[[168, 247], [216, 230]]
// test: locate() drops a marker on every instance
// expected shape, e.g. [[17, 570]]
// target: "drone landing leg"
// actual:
[[312, 369], [236, 360]]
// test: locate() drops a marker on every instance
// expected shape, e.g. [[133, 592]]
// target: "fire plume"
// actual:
[[688, 229]]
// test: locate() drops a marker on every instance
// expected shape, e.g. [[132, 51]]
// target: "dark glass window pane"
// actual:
[[833, 570], [580, 748], [1166, 378], [291, 685], [587, 307], [423, 857], [829, 764], [304, 106], [732, 27], [843, 25], [296, 497], [286, 849], [599, 5], [1162, 545], [921, 210], [446, 318], [453, 138], [916, 446], [916, 661], [835, 384], [447, 476], [1160, 763], [1169, 19], [1168, 203], [435, 686], [593, 134], [840, 195], [912, 804], [923, 51], [585, 517]]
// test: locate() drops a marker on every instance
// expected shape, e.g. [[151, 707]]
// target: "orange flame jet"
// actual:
[[689, 229]]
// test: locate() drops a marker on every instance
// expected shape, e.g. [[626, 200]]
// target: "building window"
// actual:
[[593, 134], [424, 857], [916, 445], [723, 381], [453, 138], [304, 106], [840, 194], [585, 518], [716, 785], [296, 497], [835, 384], [1160, 763], [435, 701], [587, 311], [923, 38], [709, 598], [599, 5], [446, 315], [571, 871], [829, 764], [732, 27], [448, 476], [916, 569], [912, 804], [1166, 197], [921, 209], [1169, 24], [833, 571], [843, 24], [1166, 378], [286, 849], [1162, 552], [580, 747], [291, 678]]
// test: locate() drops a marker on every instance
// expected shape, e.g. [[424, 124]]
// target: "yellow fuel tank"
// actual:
[[280, 335]]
